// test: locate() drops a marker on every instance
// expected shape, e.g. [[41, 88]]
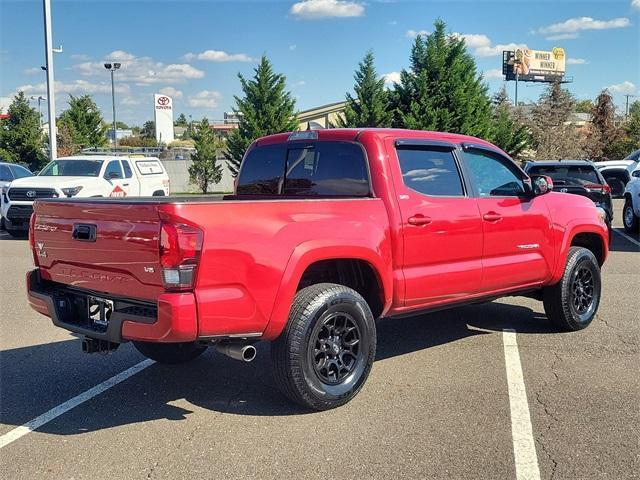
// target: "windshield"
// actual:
[[20, 172], [72, 168], [569, 175]]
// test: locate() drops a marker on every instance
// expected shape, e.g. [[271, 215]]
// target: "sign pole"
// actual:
[[516, 99]]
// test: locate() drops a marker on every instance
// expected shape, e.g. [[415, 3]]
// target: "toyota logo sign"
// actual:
[[163, 100], [31, 194]]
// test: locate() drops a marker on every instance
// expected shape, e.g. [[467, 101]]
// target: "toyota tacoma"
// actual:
[[326, 232]]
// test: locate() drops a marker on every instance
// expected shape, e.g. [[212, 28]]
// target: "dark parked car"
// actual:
[[579, 177]]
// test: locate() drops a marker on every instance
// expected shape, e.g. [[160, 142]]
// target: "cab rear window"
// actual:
[[305, 169]]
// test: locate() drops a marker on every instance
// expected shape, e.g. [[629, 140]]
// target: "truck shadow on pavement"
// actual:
[[622, 244], [38, 378]]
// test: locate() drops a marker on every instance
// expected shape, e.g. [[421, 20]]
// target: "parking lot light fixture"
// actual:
[[112, 67]]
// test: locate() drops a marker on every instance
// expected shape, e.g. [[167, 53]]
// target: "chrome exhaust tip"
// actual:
[[237, 351]]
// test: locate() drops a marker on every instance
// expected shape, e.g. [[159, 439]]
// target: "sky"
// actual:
[[193, 51]]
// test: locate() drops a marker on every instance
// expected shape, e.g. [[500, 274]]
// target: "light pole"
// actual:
[[39, 98], [49, 51], [112, 67]]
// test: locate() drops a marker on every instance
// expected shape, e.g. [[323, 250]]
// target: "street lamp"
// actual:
[[112, 67], [39, 99]]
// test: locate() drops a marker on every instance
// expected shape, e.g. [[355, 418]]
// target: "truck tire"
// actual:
[[170, 353], [325, 354], [629, 218], [572, 303]]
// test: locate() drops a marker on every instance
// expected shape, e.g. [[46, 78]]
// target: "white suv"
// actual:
[[631, 211], [83, 176]]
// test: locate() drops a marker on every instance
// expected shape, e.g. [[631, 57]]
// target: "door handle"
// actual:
[[492, 217], [125, 184], [419, 220]]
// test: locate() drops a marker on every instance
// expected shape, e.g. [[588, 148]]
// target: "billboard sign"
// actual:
[[534, 65], [163, 114]]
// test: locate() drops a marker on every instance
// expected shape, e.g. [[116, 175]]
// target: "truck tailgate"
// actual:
[[114, 248]]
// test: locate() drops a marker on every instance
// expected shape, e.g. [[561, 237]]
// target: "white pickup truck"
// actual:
[[83, 176]]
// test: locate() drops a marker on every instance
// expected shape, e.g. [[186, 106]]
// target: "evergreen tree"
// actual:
[[181, 121], [507, 132], [266, 108], [85, 122], [148, 130], [205, 170], [66, 145], [553, 137], [442, 90], [584, 106], [370, 107], [603, 132], [21, 140]]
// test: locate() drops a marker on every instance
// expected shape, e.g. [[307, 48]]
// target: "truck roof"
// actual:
[[351, 134], [105, 157]]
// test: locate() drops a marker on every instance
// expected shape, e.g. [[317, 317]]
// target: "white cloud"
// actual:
[[562, 36], [205, 99], [391, 78], [576, 61], [577, 24], [218, 56], [81, 57], [141, 70], [293, 47], [415, 33], [76, 87], [474, 40], [625, 88], [4, 103], [635, 4], [495, 50], [171, 91], [493, 73], [318, 9], [131, 101]]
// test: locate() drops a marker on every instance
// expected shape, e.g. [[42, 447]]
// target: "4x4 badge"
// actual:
[[41, 252]]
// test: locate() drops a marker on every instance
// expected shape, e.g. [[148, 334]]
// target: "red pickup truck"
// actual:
[[326, 232]]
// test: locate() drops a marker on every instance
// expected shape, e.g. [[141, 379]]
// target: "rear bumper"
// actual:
[[172, 319]]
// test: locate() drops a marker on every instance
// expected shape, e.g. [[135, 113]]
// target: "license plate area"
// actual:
[[99, 310]]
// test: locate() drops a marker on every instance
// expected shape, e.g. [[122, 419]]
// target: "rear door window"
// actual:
[[430, 171], [330, 169], [127, 169]]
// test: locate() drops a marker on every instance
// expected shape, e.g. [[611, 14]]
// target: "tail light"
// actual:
[[180, 248], [32, 239], [594, 187]]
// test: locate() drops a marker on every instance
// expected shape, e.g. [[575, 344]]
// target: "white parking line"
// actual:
[[632, 240], [524, 447], [55, 412]]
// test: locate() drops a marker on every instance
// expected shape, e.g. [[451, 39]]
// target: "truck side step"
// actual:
[[94, 345]]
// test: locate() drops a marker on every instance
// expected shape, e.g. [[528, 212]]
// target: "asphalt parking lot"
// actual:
[[437, 405]]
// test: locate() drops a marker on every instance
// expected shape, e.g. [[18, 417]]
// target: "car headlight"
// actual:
[[71, 191]]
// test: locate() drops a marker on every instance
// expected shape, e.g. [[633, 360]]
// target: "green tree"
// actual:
[[205, 170], [603, 132], [181, 121], [554, 138], [442, 90], [66, 145], [629, 139], [119, 125], [266, 108], [148, 130], [370, 107], [21, 140], [85, 122], [583, 106], [632, 124], [507, 132]]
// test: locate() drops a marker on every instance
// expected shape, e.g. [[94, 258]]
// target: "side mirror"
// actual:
[[541, 184]]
